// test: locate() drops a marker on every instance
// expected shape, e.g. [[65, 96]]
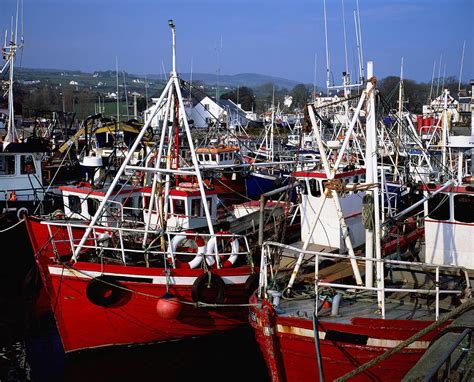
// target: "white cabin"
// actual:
[[328, 231], [20, 175], [185, 208], [81, 202], [449, 226]]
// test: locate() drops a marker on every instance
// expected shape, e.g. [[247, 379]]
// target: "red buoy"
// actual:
[[168, 307]]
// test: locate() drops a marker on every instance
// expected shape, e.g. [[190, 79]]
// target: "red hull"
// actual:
[[288, 346], [83, 324]]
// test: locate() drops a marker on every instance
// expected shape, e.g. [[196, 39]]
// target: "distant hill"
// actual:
[[242, 79]]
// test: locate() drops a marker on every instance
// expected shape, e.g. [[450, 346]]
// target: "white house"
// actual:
[[204, 112]]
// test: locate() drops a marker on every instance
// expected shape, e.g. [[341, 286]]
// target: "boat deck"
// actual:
[[350, 307]]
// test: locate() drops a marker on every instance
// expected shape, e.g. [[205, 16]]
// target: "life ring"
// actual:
[[106, 291], [208, 288], [22, 213], [226, 260], [178, 262]]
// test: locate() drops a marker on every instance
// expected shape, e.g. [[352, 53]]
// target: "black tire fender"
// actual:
[[209, 281], [251, 285], [107, 292]]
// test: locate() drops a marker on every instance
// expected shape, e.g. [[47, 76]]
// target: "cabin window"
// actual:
[[209, 204], [438, 207], [128, 202], [314, 187], [356, 179], [208, 157], [221, 157], [464, 208], [92, 206], [324, 184], [362, 178], [74, 204], [27, 165], [7, 165], [179, 207], [196, 207], [303, 188]]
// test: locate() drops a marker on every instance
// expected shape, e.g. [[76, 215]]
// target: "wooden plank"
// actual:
[[335, 272]]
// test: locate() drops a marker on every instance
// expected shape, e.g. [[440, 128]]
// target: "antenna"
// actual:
[[345, 38], [116, 76], [164, 71], [327, 48], [191, 80], [462, 63], [22, 23], [358, 46], [146, 92], [16, 21], [360, 42], [432, 80], [315, 70], [444, 75], [126, 95], [439, 74]]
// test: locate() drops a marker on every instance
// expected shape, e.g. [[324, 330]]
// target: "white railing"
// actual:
[[266, 270], [101, 238]]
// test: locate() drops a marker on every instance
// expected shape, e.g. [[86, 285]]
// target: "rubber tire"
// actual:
[[251, 285], [100, 293], [201, 282]]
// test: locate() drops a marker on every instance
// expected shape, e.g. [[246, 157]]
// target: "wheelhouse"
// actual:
[[328, 231], [449, 225]]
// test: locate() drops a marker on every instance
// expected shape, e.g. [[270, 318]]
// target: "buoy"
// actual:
[[13, 196], [169, 307]]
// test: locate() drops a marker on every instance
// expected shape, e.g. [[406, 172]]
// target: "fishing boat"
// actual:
[[129, 263], [338, 306]]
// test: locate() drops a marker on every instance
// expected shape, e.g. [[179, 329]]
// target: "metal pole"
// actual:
[[119, 174]]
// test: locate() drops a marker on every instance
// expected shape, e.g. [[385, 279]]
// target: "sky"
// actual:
[[282, 38]]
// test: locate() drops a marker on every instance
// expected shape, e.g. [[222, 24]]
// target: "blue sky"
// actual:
[[274, 37]]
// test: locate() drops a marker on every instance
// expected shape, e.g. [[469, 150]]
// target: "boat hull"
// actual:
[[133, 318], [288, 346]]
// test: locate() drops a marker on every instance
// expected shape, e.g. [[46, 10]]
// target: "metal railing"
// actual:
[[101, 237], [265, 270]]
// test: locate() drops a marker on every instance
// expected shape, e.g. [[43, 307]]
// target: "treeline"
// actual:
[[33, 100], [415, 94], [418, 94], [262, 97]]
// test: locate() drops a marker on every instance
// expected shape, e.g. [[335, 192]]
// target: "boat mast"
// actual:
[[327, 49], [372, 178], [9, 52]]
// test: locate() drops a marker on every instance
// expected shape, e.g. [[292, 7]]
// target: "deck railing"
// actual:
[[101, 238], [270, 247]]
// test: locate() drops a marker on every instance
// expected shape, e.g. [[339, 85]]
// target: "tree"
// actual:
[[300, 94], [243, 96]]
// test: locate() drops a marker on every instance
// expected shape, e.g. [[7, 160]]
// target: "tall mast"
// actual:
[[327, 48], [360, 42], [172, 89], [9, 52]]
